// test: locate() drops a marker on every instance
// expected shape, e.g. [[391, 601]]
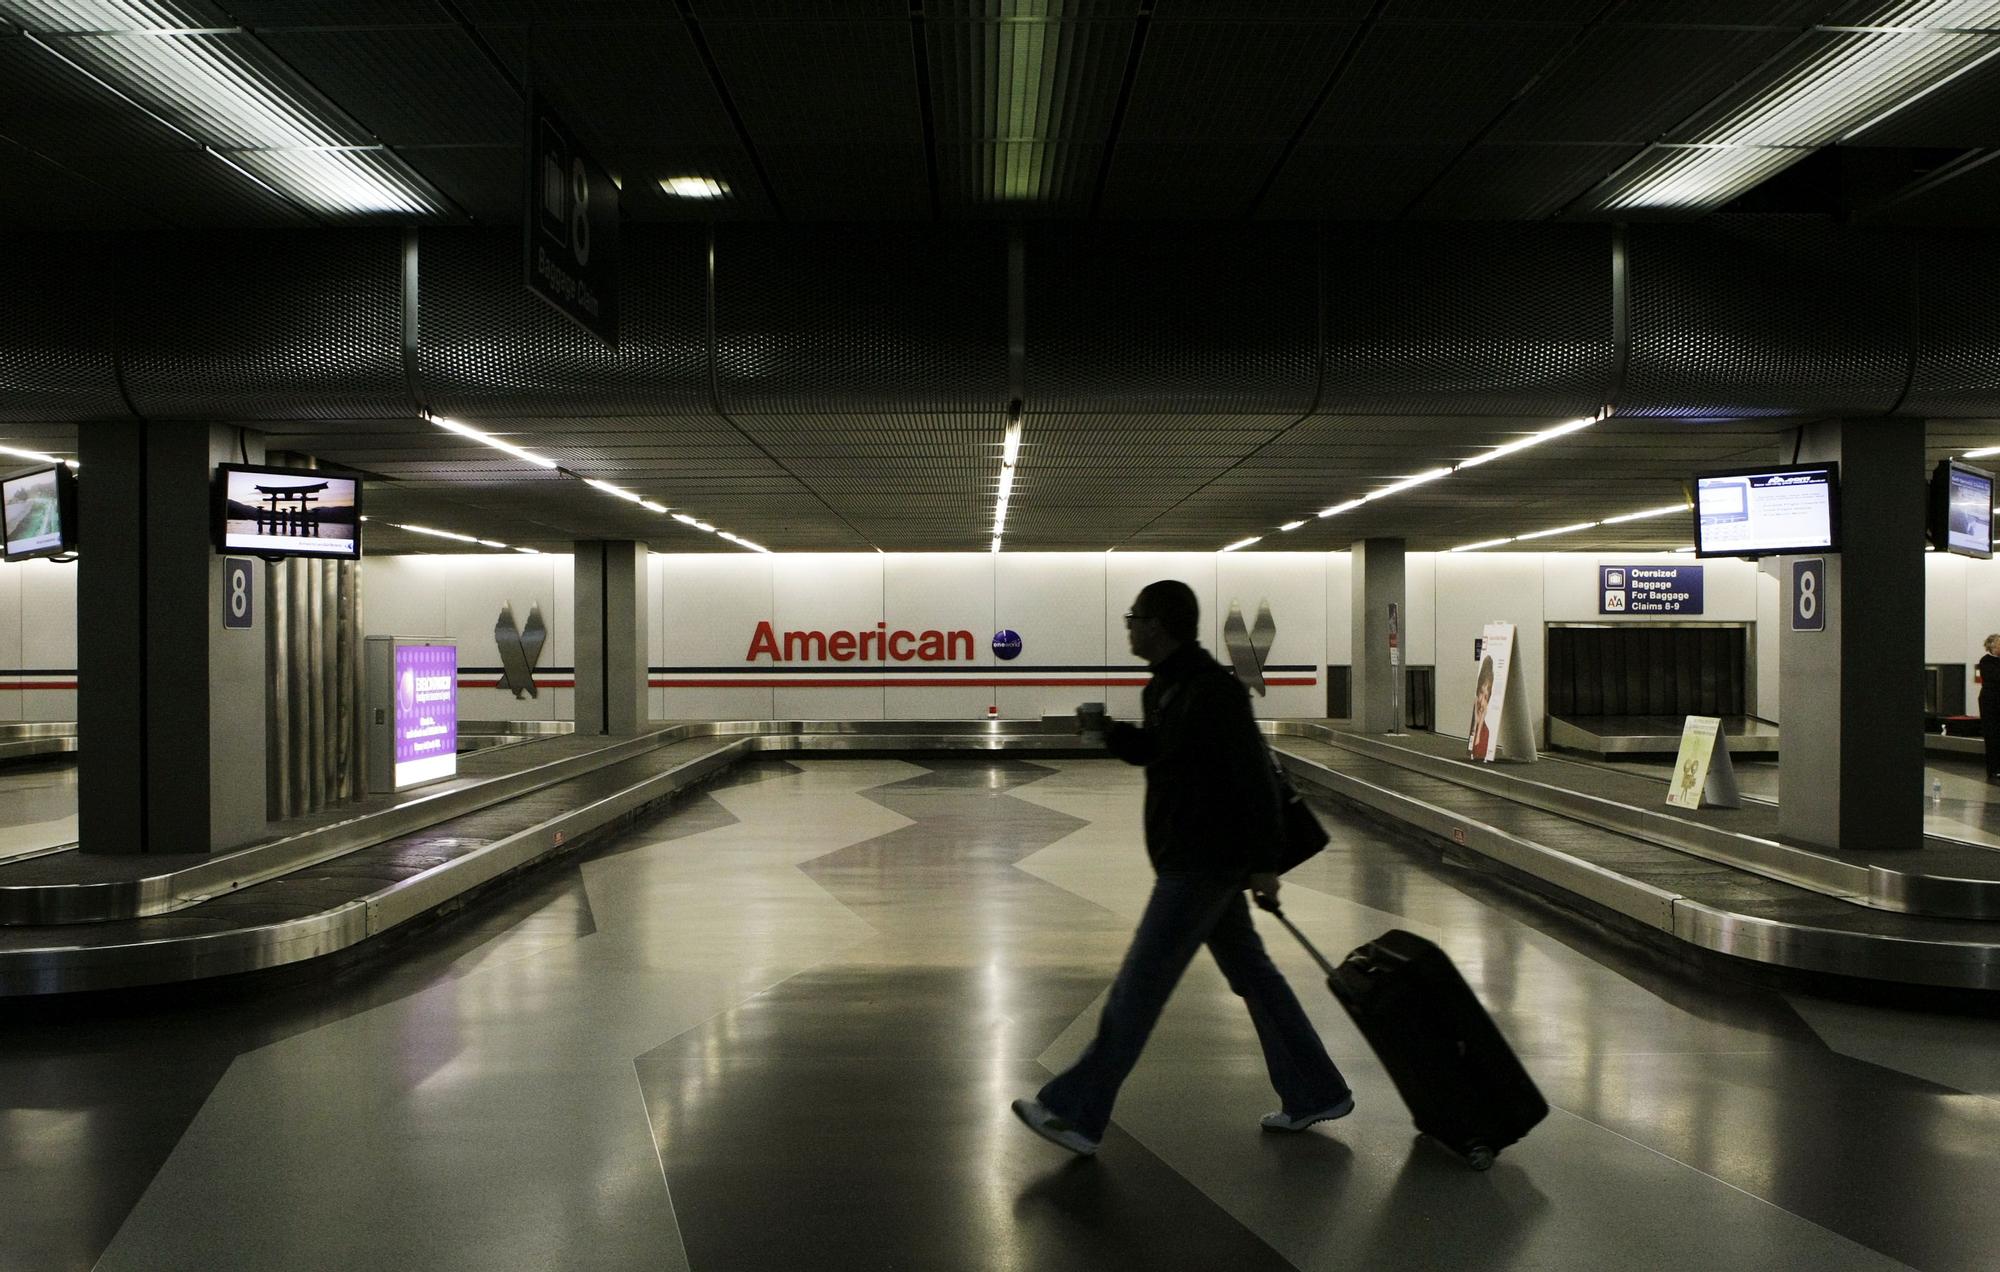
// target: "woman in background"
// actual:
[[1989, 705]]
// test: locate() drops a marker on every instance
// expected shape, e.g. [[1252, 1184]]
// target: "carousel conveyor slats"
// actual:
[[1706, 903], [328, 905]]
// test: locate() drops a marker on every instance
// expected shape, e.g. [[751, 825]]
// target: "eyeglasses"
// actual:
[[1134, 616]]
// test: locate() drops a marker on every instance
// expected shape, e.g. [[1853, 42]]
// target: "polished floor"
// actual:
[[778, 1028]]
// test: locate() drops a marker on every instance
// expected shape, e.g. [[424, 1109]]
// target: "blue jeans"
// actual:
[[1185, 912]]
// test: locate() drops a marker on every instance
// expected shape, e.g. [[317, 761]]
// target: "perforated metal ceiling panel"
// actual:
[[292, 325], [57, 311], [1957, 368], [488, 348], [1181, 321], [1767, 316], [1497, 320]]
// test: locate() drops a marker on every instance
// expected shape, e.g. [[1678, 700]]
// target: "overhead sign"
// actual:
[[572, 226], [1809, 595], [1649, 589]]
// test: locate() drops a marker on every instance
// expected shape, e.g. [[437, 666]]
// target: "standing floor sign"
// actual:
[[1495, 730], [1702, 771], [412, 711]]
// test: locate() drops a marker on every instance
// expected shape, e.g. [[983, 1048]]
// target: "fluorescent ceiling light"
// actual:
[[225, 94], [1337, 509], [451, 534], [37, 455], [1684, 551], [1855, 77], [694, 187], [996, 544], [1291, 525], [619, 491], [1397, 488], [487, 439], [1243, 543], [1483, 543], [1543, 534], [1010, 454], [530, 551], [1981, 453], [1010, 449], [1641, 516], [1533, 439], [650, 506]]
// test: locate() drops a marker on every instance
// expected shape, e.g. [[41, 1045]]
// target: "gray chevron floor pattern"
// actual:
[[779, 1025]]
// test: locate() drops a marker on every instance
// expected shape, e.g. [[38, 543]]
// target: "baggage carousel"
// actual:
[[1715, 884], [1651, 735]]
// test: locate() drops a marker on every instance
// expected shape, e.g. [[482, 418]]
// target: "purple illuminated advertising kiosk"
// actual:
[[413, 711]]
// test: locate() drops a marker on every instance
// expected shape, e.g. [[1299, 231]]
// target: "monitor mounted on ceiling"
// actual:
[[287, 512], [1774, 510], [40, 512], [1961, 512]]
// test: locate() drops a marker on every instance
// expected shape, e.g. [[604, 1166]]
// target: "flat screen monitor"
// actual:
[[40, 512], [1962, 509], [1777, 510], [287, 512]]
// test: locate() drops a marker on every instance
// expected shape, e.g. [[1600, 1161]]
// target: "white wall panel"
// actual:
[[403, 595], [14, 618], [710, 606], [1339, 611], [1056, 601], [1124, 574], [947, 592], [1982, 618], [1474, 589], [1294, 584], [827, 592], [1420, 610], [1945, 609], [38, 634]]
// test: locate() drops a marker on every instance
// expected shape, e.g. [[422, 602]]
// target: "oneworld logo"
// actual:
[[881, 643], [1006, 645]]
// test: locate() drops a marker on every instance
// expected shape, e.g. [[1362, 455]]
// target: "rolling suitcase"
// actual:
[[1462, 1083]]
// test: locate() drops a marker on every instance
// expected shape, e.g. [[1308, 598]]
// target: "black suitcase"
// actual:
[[1462, 1082]]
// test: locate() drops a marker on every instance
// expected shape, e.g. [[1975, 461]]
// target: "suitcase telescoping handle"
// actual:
[[1270, 905]]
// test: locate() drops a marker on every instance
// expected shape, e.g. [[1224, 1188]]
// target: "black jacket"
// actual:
[[1211, 800]]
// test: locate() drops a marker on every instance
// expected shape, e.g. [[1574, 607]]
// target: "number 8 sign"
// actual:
[[237, 599], [1809, 595]]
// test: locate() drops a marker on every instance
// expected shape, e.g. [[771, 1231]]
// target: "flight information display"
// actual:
[[1768, 511], [1962, 510]]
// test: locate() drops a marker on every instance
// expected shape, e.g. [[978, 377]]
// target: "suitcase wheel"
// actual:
[[1479, 1157]]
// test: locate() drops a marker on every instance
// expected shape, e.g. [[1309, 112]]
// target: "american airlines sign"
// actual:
[[880, 644]]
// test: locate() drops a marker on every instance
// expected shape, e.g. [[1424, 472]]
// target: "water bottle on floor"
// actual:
[[1937, 791]]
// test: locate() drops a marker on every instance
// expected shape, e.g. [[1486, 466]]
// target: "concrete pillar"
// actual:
[[1376, 583], [611, 637], [1851, 759], [170, 704]]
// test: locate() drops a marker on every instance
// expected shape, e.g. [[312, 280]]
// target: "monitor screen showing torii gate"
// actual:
[[288, 512]]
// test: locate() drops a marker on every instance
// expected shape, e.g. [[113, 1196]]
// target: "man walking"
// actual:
[[1212, 828]]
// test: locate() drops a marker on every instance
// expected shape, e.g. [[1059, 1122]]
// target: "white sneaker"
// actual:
[[1283, 1121], [1046, 1124]]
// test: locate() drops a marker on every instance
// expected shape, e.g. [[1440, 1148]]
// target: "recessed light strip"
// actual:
[[1010, 455], [1436, 474], [1856, 78], [487, 439], [37, 456], [453, 535], [1641, 515]]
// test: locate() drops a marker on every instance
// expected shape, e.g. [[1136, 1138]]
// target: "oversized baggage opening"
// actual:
[[1634, 669]]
